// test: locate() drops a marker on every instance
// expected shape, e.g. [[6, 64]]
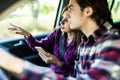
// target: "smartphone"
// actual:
[[40, 50]]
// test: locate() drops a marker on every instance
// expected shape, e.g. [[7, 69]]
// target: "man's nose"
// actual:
[[68, 15]]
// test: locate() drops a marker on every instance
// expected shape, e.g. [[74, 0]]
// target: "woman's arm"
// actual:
[[46, 43]]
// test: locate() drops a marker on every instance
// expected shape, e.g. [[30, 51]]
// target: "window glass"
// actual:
[[115, 10], [35, 16]]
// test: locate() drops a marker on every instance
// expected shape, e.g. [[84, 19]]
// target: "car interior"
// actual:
[[18, 46]]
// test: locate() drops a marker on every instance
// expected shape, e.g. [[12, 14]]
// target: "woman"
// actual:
[[61, 41]]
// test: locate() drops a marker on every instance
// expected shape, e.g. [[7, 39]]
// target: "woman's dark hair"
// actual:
[[78, 33], [78, 37], [101, 12]]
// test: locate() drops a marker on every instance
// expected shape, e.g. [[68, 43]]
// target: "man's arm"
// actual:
[[10, 62], [25, 69]]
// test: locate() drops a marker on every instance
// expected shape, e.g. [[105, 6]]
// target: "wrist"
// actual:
[[59, 64], [27, 35]]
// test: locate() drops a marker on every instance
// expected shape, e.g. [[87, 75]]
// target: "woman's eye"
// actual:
[[65, 20]]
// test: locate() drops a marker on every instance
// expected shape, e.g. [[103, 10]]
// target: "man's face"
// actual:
[[76, 16]]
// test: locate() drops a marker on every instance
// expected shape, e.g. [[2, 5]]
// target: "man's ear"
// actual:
[[88, 11]]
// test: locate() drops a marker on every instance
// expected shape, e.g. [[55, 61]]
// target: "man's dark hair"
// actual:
[[101, 12]]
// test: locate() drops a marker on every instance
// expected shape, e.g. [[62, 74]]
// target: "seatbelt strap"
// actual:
[[61, 48]]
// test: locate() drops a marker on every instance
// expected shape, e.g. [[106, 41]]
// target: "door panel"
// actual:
[[19, 48]]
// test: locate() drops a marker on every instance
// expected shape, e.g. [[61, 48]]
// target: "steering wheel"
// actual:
[[6, 75], [3, 76]]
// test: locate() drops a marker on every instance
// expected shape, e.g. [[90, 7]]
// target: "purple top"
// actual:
[[51, 42]]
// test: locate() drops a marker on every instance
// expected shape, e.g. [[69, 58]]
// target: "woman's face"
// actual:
[[65, 27], [76, 16]]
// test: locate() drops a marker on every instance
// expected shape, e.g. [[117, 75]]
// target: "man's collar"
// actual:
[[101, 30], [98, 33]]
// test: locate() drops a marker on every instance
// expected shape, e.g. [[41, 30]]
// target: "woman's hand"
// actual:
[[48, 58], [19, 30]]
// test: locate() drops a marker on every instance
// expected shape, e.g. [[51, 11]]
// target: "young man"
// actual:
[[99, 51]]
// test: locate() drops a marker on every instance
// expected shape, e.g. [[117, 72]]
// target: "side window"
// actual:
[[115, 10], [35, 16]]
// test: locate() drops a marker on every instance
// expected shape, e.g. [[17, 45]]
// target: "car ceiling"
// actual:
[[4, 4], [7, 6]]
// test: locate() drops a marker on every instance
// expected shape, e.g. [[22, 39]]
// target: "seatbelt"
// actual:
[[61, 48]]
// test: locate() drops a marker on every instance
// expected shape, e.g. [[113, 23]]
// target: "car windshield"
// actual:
[[38, 17], [35, 16]]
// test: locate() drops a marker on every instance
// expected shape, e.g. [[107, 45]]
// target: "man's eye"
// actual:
[[70, 9]]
